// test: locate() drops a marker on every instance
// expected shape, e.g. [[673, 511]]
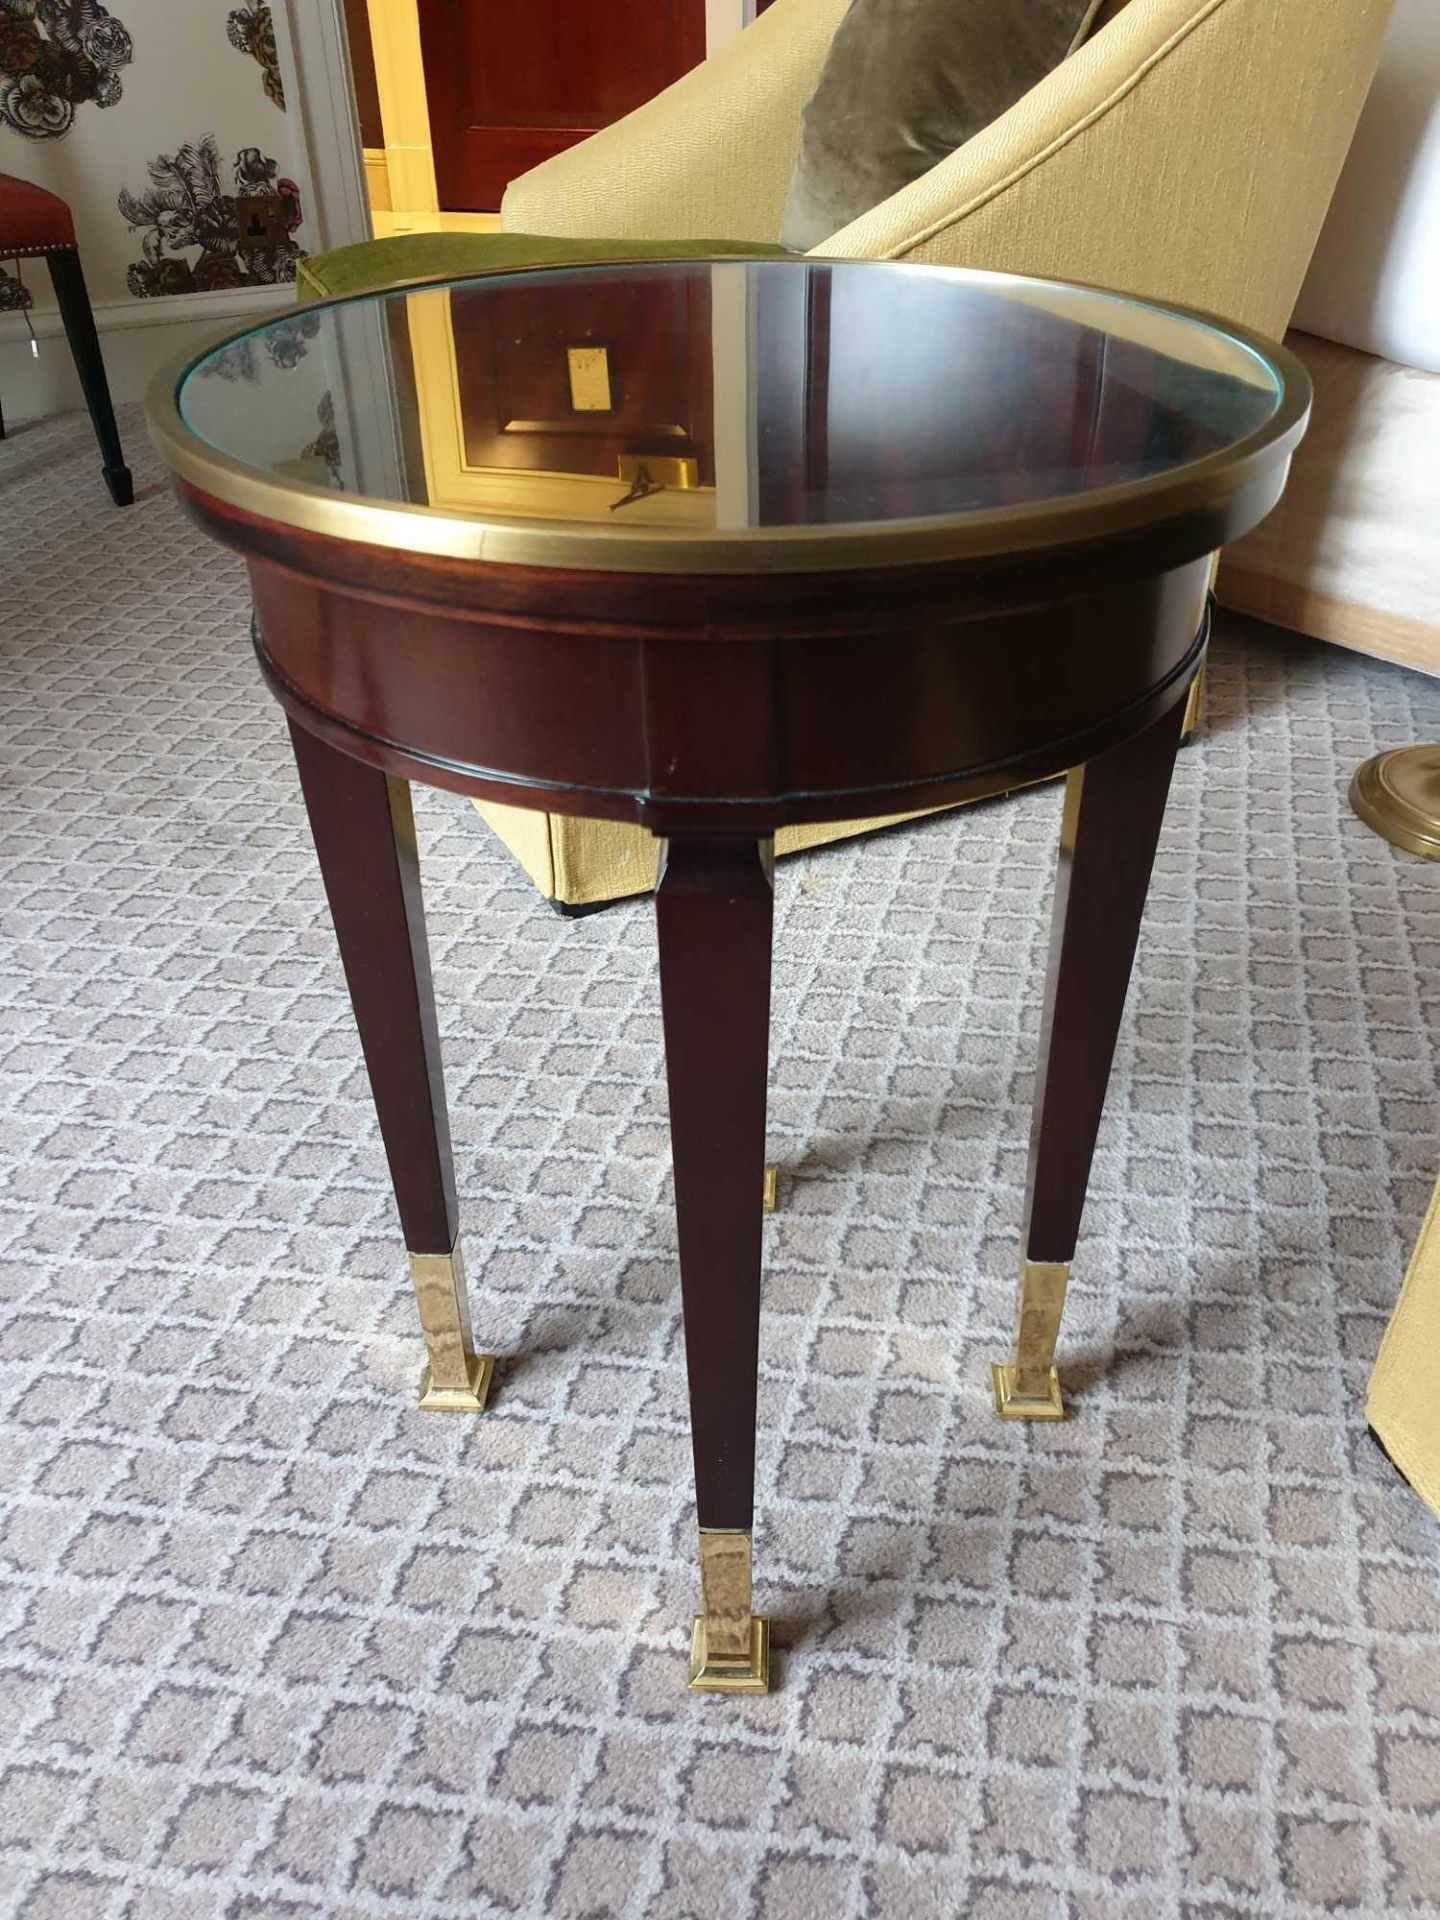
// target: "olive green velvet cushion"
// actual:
[[904, 84], [436, 256]]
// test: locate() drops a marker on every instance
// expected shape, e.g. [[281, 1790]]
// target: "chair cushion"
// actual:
[[372, 264], [32, 220], [904, 84]]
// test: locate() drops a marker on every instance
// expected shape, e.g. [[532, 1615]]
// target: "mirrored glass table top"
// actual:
[[700, 415]]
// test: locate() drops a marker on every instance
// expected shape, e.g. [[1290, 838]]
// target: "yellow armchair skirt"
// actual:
[[583, 863], [1403, 1405]]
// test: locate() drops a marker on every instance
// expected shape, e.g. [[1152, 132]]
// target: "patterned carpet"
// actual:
[[274, 1644]]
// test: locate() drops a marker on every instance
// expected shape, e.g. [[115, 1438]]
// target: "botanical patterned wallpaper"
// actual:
[[54, 56], [15, 296], [193, 202], [163, 124], [252, 30]]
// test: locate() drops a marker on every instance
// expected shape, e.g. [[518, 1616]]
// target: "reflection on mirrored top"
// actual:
[[710, 398]]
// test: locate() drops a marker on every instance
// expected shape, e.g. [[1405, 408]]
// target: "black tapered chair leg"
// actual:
[[75, 312]]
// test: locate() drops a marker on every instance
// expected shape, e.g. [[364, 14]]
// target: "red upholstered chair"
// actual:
[[33, 221]]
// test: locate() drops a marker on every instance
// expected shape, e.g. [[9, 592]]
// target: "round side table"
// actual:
[[712, 548]]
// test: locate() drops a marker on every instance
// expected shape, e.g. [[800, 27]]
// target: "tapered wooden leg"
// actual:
[[364, 834], [79, 321], [1113, 809], [713, 911]]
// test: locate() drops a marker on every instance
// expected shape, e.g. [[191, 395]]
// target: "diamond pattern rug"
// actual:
[[274, 1644]]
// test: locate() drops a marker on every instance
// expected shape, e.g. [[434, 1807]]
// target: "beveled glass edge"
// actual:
[[1070, 520]]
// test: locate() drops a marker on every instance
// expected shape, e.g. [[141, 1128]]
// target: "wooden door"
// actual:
[[511, 82]]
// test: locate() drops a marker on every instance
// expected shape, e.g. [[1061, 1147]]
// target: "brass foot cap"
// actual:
[[749, 1673], [770, 1191], [1011, 1405], [480, 1367], [1397, 795]]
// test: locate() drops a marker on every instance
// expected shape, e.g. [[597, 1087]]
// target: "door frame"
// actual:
[[314, 58], [400, 81]]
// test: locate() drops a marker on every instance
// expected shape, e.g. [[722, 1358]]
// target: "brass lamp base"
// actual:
[[1397, 795], [1011, 1405], [731, 1673], [471, 1398]]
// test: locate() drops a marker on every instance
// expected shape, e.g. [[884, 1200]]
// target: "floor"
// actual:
[[276, 1646]]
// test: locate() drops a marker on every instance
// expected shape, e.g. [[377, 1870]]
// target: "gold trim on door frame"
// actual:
[[404, 108]]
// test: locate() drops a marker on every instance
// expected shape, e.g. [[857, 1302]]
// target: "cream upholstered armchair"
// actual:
[[1187, 151]]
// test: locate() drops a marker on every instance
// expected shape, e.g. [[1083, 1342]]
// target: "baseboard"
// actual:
[[138, 337]]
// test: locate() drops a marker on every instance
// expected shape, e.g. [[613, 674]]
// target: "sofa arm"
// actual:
[[710, 158], [1188, 152]]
